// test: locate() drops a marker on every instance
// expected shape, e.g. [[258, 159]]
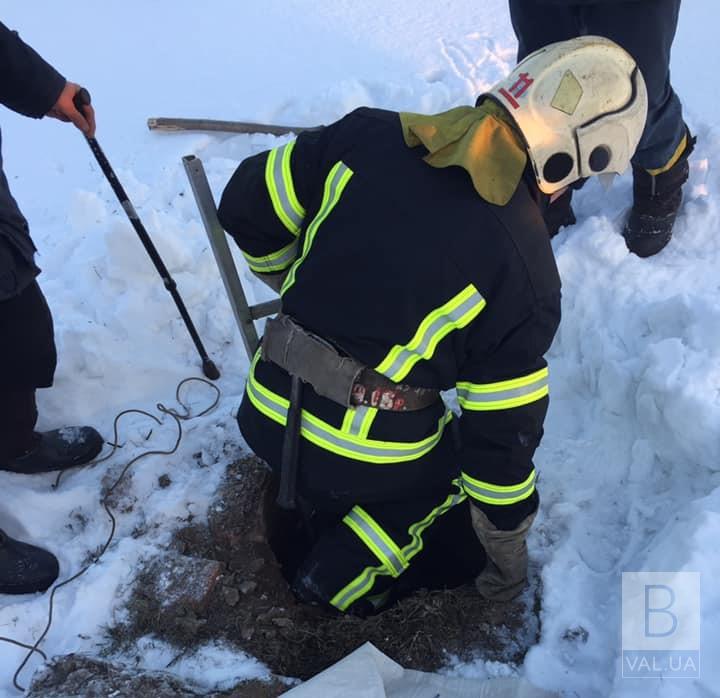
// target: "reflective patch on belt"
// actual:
[[358, 420]]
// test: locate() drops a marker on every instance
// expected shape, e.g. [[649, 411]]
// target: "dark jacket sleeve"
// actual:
[[504, 399], [28, 85], [265, 204]]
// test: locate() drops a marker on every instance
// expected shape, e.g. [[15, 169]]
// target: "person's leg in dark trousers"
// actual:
[[537, 24], [27, 361], [18, 416], [380, 552], [660, 165], [646, 30]]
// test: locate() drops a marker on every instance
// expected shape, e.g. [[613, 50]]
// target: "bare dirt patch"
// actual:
[[250, 606]]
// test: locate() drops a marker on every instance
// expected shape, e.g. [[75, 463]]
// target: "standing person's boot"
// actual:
[[657, 195], [24, 450], [56, 450], [24, 568]]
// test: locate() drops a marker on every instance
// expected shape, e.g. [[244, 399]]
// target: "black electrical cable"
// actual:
[[27, 647], [179, 418]]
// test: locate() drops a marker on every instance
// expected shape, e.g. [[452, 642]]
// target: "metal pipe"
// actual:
[[219, 244], [81, 99]]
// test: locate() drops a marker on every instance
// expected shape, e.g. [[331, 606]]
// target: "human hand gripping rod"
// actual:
[[82, 98]]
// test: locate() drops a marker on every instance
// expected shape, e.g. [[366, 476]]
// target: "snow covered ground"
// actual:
[[630, 463]]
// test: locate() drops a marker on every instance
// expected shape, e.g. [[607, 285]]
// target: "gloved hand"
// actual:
[[505, 573]]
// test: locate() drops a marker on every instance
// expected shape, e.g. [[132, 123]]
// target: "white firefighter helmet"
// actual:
[[581, 106]]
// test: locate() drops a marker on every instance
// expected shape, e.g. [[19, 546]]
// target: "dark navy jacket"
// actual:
[[30, 86], [404, 267]]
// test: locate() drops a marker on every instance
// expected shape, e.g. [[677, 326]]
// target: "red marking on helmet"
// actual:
[[509, 98], [517, 89]]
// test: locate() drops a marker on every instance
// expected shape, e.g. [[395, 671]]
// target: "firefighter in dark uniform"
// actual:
[[646, 29], [412, 257], [32, 87]]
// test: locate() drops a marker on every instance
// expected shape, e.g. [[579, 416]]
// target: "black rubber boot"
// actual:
[[656, 202], [25, 569], [57, 450]]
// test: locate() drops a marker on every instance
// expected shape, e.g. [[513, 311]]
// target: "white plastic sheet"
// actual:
[[368, 673]]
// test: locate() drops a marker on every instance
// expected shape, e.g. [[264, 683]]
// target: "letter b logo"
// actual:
[[658, 616], [660, 624]]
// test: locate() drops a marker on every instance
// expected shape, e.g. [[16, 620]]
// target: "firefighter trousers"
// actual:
[[380, 552]]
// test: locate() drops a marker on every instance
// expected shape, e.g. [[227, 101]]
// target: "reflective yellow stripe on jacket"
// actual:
[[498, 495], [394, 559], [279, 182], [330, 438], [458, 312], [335, 184], [287, 207], [504, 394], [277, 261]]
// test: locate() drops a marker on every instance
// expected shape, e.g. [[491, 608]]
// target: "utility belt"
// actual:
[[339, 378]]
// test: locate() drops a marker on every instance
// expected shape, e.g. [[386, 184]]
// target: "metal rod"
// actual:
[[219, 244], [287, 494], [209, 368], [265, 308], [161, 123]]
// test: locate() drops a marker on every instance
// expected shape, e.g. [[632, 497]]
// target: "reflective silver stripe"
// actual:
[[281, 193], [384, 552], [499, 494], [333, 440], [471, 397], [357, 420], [443, 322], [361, 450], [276, 261]]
